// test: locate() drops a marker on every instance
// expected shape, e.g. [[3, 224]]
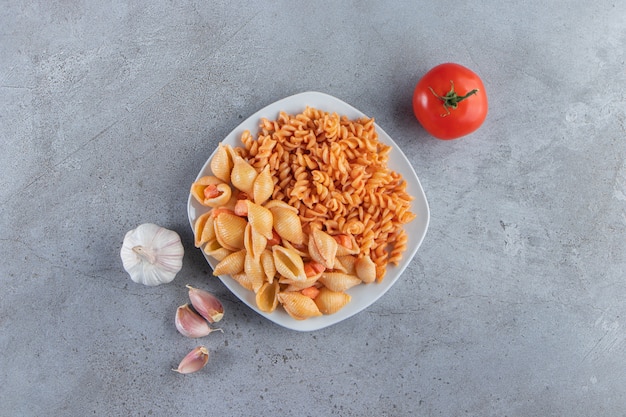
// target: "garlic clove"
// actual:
[[191, 324], [193, 361], [206, 304]]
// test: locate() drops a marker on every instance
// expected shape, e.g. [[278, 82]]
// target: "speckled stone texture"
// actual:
[[513, 306]]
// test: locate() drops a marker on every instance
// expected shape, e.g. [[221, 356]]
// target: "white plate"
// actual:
[[362, 295]]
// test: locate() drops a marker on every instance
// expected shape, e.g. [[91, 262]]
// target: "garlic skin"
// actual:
[[194, 361], [191, 324], [151, 254]]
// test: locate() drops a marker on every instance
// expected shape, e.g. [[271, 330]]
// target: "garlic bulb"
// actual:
[[152, 254]]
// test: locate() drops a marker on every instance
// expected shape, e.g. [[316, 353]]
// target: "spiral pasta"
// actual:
[[334, 171]]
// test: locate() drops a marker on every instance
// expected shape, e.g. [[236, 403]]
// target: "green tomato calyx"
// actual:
[[451, 100]]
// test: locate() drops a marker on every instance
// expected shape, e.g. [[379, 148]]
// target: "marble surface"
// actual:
[[513, 306]]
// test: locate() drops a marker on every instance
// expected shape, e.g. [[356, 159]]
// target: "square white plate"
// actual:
[[362, 295]]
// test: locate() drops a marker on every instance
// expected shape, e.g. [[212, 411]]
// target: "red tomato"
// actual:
[[450, 101]]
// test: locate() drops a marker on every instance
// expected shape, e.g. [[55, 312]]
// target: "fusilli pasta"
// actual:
[[334, 171]]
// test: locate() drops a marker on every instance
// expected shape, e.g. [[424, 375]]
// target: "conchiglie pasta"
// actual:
[[295, 285], [215, 250], [222, 162], [346, 264], [288, 263], [243, 175], [254, 270], [269, 268], [217, 195], [298, 249], [267, 297], [254, 242], [288, 225], [229, 230], [206, 186], [244, 280], [330, 302], [205, 221], [338, 281], [260, 218], [323, 248], [365, 269], [263, 186], [232, 264], [298, 306]]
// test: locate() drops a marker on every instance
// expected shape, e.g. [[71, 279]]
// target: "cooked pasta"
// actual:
[[334, 171], [303, 211]]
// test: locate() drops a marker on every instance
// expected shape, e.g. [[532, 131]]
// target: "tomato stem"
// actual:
[[451, 100]]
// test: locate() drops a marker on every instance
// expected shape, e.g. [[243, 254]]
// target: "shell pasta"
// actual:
[[311, 210]]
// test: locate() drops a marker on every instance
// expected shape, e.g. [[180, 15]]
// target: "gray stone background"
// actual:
[[513, 306]]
